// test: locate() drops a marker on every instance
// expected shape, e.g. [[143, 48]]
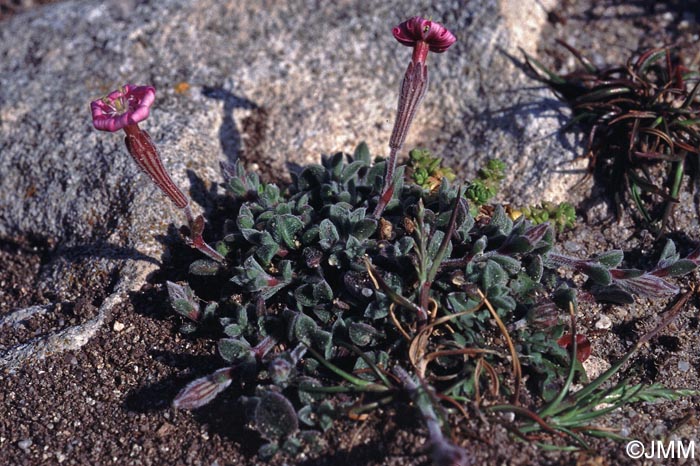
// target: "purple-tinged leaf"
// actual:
[[676, 269], [625, 274], [648, 58], [201, 391], [554, 260], [644, 284], [280, 370], [694, 256], [602, 93], [668, 255], [536, 233], [583, 345], [183, 301], [196, 230], [590, 67], [543, 316]]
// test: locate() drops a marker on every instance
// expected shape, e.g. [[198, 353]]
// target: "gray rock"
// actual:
[[68, 339], [273, 83]]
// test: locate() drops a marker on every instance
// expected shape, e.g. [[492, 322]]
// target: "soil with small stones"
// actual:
[[12, 7], [109, 402]]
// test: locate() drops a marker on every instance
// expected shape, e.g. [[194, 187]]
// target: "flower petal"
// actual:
[[417, 29], [126, 106], [439, 38]]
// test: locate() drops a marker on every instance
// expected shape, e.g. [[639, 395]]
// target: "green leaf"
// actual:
[[362, 153], [302, 327], [267, 249], [339, 213], [364, 228], [351, 170], [479, 246], [204, 267], [307, 395], [271, 194], [542, 71], [678, 268], [275, 417], [362, 334], [336, 164], [285, 227], [501, 220], [648, 58], [183, 300], [304, 295], [245, 218], [322, 292], [460, 302], [597, 272], [668, 254], [610, 259], [535, 268], [310, 235], [234, 330], [602, 93], [268, 450], [312, 176], [328, 234], [510, 264], [323, 340], [493, 275], [235, 350]]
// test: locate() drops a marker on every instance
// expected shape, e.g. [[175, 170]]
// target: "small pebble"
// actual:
[[164, 429], [594, 366], [571, 246], [603, 323], [683, 366], [25, 444], [118, 326]]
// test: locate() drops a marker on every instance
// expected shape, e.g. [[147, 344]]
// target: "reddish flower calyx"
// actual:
[[122, 108], [423, 35]]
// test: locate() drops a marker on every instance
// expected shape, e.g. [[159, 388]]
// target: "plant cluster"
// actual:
[[562, 216], [427, 171], [357, 286], [638, 116], [325, 299]]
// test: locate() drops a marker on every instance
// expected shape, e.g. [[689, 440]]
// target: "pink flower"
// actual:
[[424, 36], [121, 108], [418, 29], [124, 109]]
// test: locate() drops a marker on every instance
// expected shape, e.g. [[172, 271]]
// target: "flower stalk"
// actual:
[[124, 109], [424, 36]]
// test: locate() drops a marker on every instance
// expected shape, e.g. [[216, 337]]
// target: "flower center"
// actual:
[[121, 105]]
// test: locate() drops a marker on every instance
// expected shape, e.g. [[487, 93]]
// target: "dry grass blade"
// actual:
[[419, 343], [397, 324], [517, 369]]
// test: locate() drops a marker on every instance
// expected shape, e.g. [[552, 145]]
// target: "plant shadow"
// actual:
[[229, 135], [158, 396]]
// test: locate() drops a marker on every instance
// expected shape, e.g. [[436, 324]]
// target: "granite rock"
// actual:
[[270, 82]]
